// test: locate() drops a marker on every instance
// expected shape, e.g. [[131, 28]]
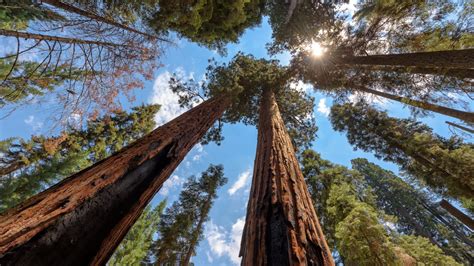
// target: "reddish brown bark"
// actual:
[[11, 168], [463, 59], [463, 218], [465, 116], [450, 72], [73, 9], [81, 220], [281, 226], [460, 127]]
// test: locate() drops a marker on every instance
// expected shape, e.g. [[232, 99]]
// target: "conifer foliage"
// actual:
[[360, 229], [134, 247], [30, 166], [96, 176], [182, 224], [445, 165]]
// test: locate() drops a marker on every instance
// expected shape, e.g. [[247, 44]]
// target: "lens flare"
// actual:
[[316, 49]]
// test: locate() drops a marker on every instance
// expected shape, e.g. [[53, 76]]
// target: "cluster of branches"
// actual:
[[85, 59]]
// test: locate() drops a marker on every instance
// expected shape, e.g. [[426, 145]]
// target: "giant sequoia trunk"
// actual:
[[463, 59], [73, 9], [281, 226], [81, 220], [465, 116], [463, 218], [450, 72]]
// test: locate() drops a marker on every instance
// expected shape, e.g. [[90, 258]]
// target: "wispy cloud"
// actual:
[[223, 242], [322, 107], [164, 96], [198, 151], [173, 182], [31, 121], [242, 180]]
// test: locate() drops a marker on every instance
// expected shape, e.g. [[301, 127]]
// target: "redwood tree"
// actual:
[[291, 235], [88, 214], [418, 92], [451, 59], [281, 226]]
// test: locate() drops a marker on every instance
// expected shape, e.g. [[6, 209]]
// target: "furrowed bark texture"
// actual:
[[281, 226], [465, 116], [463, 59], [81, 220], [463, 218], [450, 72]]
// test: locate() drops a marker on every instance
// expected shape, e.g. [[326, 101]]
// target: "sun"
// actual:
[[316, 49]]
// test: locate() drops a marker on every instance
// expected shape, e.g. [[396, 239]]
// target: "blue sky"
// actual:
[[221, 242]]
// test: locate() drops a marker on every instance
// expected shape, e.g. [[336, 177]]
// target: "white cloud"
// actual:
[[164, 96], [209, 257], [224, 243], [242, 180], [322, 107], [35, 125], [199, 152], [172, 182]]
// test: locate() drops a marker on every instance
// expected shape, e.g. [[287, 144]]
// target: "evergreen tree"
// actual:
[[17, 14], [297, 23], [419, 92], [243, 78], [423, 251], [76, 63], [263, 94], [212, 24], [416, 25], [360, 230], [347, 214], [98, 18], [104, 199], [415, 212], [136, 244], [31, 166], [356, 59], [181, 226], [23, 81], [445, 165]]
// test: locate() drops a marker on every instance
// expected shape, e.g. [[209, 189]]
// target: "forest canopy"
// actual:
[[252, 132]]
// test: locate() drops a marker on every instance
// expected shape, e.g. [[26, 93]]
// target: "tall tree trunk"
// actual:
[[450, 72], [84, 13], [42, 37], [281, 226], [463, 218], [81, 220], [202, 219], [460, 127], [463, 59], [11, 168], [465, 116]]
